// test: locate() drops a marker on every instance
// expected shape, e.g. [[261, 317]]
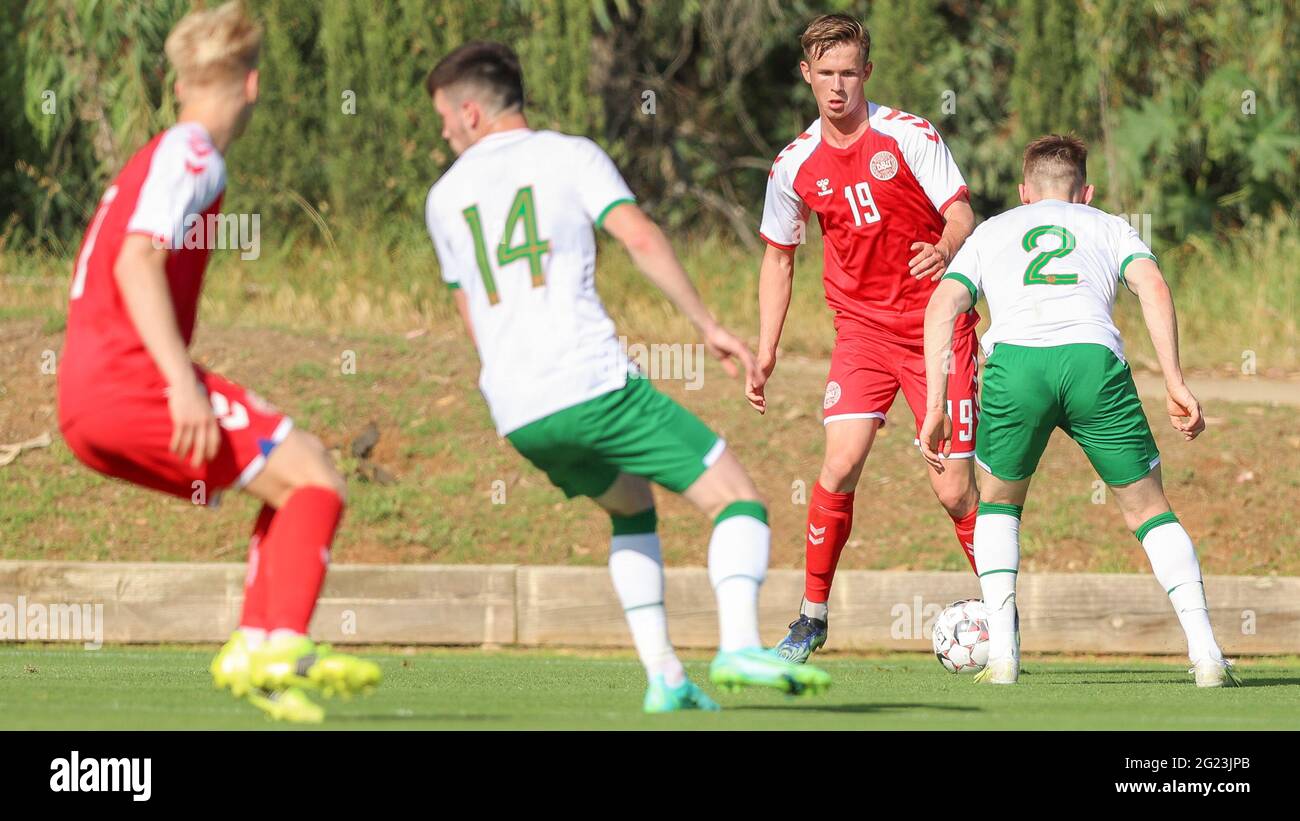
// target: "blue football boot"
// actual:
[[806, 636]]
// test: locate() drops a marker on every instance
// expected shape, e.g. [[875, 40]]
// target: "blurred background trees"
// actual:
[[1190, 107]]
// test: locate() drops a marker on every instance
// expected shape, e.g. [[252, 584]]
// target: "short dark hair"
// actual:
[[832, 30], [491, 67], [1057, 159]]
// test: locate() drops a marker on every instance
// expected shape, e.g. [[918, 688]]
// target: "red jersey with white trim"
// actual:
[[167, 190], [873, 200]]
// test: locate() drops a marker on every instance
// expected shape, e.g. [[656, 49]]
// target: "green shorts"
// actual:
[[1083, 389], [635, 429]]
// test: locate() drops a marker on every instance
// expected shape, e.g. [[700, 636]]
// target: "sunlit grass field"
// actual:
[[169, 688]]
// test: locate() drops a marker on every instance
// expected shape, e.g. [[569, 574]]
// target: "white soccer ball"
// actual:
[[961, 637]]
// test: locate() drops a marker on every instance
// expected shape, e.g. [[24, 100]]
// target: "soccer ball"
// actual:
[[961, 637]]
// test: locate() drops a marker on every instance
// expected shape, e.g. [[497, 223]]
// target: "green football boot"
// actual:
[[290, 705], [756, 667], [230, 666], [301, 662], [660, 698]]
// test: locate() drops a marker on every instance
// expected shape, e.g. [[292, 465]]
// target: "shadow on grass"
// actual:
[[1269, 682], [1260, 679], [851, 708]]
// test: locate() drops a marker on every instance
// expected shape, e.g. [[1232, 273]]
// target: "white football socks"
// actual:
[[1174, 562], [636, 566], [997, 559], [815, 610], [738, 552]]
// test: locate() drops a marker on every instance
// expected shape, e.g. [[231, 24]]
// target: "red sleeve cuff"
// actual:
[[962, 194], [776, 244]]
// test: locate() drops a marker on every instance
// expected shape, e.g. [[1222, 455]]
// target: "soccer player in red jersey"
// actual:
[[132, 405], [893, 209]]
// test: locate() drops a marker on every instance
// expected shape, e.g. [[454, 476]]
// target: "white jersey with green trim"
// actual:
[[512, 223], [1050, 272]]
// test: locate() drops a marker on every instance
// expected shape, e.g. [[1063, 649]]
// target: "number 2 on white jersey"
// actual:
[[79, 278], [869, 213]]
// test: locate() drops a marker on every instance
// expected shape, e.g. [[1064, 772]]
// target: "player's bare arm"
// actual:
[[932, 260], [950, 300], [142, 278], [1145, 280], [462, 307], [653, 255], [775, 283]]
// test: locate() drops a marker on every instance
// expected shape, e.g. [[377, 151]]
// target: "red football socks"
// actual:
[[830, 518], [255, 587], [965, 528], [295, 554]]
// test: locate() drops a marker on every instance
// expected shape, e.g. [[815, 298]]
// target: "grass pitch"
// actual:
[[168, 688]]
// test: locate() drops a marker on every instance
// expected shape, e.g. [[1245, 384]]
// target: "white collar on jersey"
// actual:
[[196, 126]]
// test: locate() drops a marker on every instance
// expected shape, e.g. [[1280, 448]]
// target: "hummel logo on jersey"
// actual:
[[917, 122], [230, 415], [816, 534], [823, 187]]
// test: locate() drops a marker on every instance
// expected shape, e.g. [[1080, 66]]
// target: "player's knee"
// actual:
[[1136, 517], [315, 468], [958, 500], [628, 496], [739, 488], [627, 507], [841, 469]]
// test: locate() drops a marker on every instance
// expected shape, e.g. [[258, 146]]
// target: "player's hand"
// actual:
[[195, 433], [930, 261], [1185, 412], [936, 439], [725, 346], [757, 382]]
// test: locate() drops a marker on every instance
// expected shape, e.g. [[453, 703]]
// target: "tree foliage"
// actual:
[[1190, 107]]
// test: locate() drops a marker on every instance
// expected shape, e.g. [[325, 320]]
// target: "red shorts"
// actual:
[[867, 371], [131, 438]]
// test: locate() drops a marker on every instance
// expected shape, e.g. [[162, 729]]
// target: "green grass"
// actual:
[[168, 688]]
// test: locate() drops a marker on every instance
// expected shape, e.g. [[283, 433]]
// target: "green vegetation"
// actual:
[[1191, 109]]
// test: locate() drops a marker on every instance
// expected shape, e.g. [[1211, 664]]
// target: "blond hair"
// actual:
[[831, 30], [214, 46]]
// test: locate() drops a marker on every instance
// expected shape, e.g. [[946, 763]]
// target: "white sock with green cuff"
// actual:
[[997, 559], [1177, 569], [636, 568], [738, 553]]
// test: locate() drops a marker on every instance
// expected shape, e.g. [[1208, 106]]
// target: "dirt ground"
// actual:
[[440, 486]]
